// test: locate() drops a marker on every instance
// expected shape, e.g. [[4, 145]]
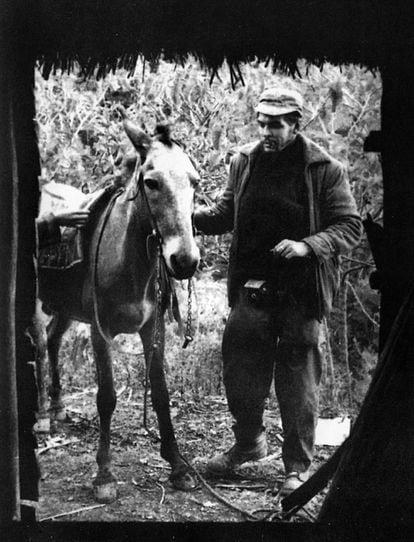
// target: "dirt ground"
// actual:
[[67, 460]]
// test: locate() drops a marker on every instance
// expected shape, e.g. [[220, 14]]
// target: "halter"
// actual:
[[154, 226], [161, 273], [162, 276], [162, 268]]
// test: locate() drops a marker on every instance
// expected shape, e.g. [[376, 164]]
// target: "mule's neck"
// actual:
[[142, 221]]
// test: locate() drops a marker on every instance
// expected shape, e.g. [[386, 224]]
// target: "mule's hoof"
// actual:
[[105, 488], [42, 425], [59, 414], [105, 493], [183, 479]]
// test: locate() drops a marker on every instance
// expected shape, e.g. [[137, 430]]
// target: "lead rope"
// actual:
[[188, 337], [155, 339]]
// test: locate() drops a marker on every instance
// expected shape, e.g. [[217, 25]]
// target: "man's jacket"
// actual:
[[334, 223]]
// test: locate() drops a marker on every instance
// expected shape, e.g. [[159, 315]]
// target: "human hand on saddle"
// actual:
[[291, 249], [72, 219]]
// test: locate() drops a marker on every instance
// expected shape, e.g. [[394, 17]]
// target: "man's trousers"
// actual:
[[280, 342]]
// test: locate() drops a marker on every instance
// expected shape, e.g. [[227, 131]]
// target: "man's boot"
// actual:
[[251, 449], [293, 481]]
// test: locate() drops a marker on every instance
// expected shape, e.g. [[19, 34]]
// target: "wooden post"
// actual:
[[373, 483], [19, 170], [397, 112], [9, 457]]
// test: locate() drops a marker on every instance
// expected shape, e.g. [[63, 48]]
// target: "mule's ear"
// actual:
[[138, 137]]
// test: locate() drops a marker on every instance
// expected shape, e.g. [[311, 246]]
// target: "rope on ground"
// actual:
[[217, 495], [70, 513], [162, 492]]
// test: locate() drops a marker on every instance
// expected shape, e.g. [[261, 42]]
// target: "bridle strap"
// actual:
[[163, 266], [154, 225]]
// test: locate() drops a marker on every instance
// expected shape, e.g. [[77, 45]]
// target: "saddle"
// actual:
[[70, 250]]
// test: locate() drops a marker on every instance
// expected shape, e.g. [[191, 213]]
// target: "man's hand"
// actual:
[[291, 249], [72, 219]]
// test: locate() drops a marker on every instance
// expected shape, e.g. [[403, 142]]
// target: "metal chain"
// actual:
[[188, 338]]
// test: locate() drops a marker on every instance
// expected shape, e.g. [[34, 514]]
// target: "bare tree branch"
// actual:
[[358, 300]]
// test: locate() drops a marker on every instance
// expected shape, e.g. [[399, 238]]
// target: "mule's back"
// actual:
[[62, 267]]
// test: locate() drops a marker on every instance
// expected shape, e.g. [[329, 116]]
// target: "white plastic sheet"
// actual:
[[332, 431]]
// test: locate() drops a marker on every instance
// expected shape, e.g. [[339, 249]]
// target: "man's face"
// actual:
[[275, 132]]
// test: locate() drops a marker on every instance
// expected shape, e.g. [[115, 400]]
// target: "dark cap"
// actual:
[[276, 101]]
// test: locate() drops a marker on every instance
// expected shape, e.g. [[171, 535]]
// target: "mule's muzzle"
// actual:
[[183, 266]]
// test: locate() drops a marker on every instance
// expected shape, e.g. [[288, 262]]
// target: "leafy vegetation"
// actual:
[[80, 134]]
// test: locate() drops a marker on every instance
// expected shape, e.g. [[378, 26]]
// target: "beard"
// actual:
[[276, 144], [271, 145]]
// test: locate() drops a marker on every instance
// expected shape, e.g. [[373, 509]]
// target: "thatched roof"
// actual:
[[103, 35]]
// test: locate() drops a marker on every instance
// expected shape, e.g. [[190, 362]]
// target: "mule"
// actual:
[[143, 229]]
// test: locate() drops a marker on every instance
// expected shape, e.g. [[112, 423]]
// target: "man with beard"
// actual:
[[291, 211]]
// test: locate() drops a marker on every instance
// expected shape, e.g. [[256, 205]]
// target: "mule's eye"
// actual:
[[152, 184]]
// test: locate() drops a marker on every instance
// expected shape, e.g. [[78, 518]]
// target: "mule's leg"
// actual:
[[39, 335], [105, 482], [181, 475], [55, 330]]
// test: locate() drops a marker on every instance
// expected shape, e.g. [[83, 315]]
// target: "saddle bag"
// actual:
[[65, 254], [69, 251]]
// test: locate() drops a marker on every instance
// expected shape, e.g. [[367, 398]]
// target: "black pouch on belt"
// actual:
[[261, 293]]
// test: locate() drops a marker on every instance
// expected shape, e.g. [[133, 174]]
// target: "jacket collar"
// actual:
[[313, 153]]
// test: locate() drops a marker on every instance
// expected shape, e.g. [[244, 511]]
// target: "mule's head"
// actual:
[[169, 180]]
